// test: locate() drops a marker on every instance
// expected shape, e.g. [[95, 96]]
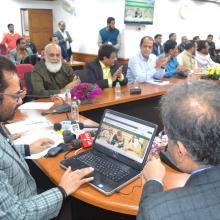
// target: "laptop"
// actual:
[[119, 153]]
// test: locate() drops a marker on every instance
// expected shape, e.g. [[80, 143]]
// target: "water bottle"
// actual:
[[117, 90], [75, 111], [68, 99], [135, 84], [189, 77]]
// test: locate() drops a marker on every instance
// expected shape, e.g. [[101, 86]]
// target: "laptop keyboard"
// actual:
[[105, 167]]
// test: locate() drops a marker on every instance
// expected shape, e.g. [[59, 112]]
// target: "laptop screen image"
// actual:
[[126, 137]]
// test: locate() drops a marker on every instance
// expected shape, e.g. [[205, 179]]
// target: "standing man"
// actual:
[[21, 51], [190, 115], [11, 38], [110, 34], [64, 41], [144, 66], [19, 198], [104, 71], [157, 46]]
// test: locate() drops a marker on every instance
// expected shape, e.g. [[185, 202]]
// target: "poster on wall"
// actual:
[[139, 11]]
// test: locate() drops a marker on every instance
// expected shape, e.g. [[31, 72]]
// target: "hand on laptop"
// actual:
[[154, 170], [72, 180]]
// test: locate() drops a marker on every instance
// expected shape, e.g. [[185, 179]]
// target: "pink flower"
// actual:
[[85, 91]]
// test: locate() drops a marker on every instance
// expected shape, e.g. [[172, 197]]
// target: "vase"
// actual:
[[86, 101]]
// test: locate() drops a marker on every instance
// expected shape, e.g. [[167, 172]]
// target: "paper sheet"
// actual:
[[36, 105], [28, 125], [30, 137], [159, 82]]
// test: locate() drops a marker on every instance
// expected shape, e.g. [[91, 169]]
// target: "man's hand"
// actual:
[[40, 145], [117, 74], [154, 170], [161, 62], [182, 68], [72, 180], [70, 85]]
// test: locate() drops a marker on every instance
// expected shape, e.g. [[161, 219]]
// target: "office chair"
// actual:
[[21, 69], [83, 75]]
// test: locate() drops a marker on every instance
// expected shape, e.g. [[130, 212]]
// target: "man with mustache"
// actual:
[[51, 76], [19, 198]]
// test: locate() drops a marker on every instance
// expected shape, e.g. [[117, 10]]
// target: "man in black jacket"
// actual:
[[104, 71], [192, 124]]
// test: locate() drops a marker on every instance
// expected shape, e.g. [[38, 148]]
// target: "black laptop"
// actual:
[[119, 153]]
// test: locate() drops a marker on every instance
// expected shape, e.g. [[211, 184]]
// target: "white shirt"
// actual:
[[204, 61], [142, 69]]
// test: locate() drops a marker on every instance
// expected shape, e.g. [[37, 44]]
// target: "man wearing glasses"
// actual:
[[51, 76], [18, 194], [192, 124]]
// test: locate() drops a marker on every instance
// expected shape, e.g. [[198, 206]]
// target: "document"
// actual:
[[159, 82], [32, 136], [36, 105], [28, 125]]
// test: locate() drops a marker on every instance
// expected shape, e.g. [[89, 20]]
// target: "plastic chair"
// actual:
[[21, 70]]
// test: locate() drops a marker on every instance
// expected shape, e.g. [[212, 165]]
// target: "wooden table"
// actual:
[[144, 105], [77, 65], [127, 204]]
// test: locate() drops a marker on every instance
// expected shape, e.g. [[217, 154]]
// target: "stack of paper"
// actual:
[[28, 125], [36, 105]]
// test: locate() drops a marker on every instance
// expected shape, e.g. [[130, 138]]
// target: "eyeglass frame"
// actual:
[[16, 96]]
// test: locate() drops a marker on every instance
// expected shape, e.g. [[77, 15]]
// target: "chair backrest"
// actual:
[[21, 70], [83, 75], [31, 59]]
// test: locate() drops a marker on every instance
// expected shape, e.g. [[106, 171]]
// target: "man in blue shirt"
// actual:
[[109, 34], [172, 67], [144, 66]]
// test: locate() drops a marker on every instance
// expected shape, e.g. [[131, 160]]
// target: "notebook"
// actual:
[[119, 153]]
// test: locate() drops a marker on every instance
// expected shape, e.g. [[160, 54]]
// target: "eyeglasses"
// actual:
[[16, 96]]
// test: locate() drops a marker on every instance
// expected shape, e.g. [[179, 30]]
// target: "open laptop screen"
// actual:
[[124, 136]]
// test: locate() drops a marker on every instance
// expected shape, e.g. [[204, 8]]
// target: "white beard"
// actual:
[[53, 67]]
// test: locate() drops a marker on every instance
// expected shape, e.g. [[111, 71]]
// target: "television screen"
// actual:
[[139, 11]]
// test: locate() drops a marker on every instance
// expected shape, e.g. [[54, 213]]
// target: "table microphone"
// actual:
[[82, 126], [63, 108]]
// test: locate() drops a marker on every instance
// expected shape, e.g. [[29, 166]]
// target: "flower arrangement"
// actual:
[[213, 72], [85, 91]]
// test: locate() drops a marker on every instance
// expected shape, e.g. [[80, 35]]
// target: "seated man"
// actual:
[[190, 114], [51, 76], [172, 67], [202, 55], [19, 198], [187, 57], [144, 66], [21, 51], [104, 71]]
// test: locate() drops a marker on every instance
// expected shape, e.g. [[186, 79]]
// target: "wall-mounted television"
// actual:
[[139, 11]]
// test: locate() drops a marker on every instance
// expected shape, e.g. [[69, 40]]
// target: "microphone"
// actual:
[[68, 136], [63, 108], [57, 126], [82, 126], [86, 139]]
